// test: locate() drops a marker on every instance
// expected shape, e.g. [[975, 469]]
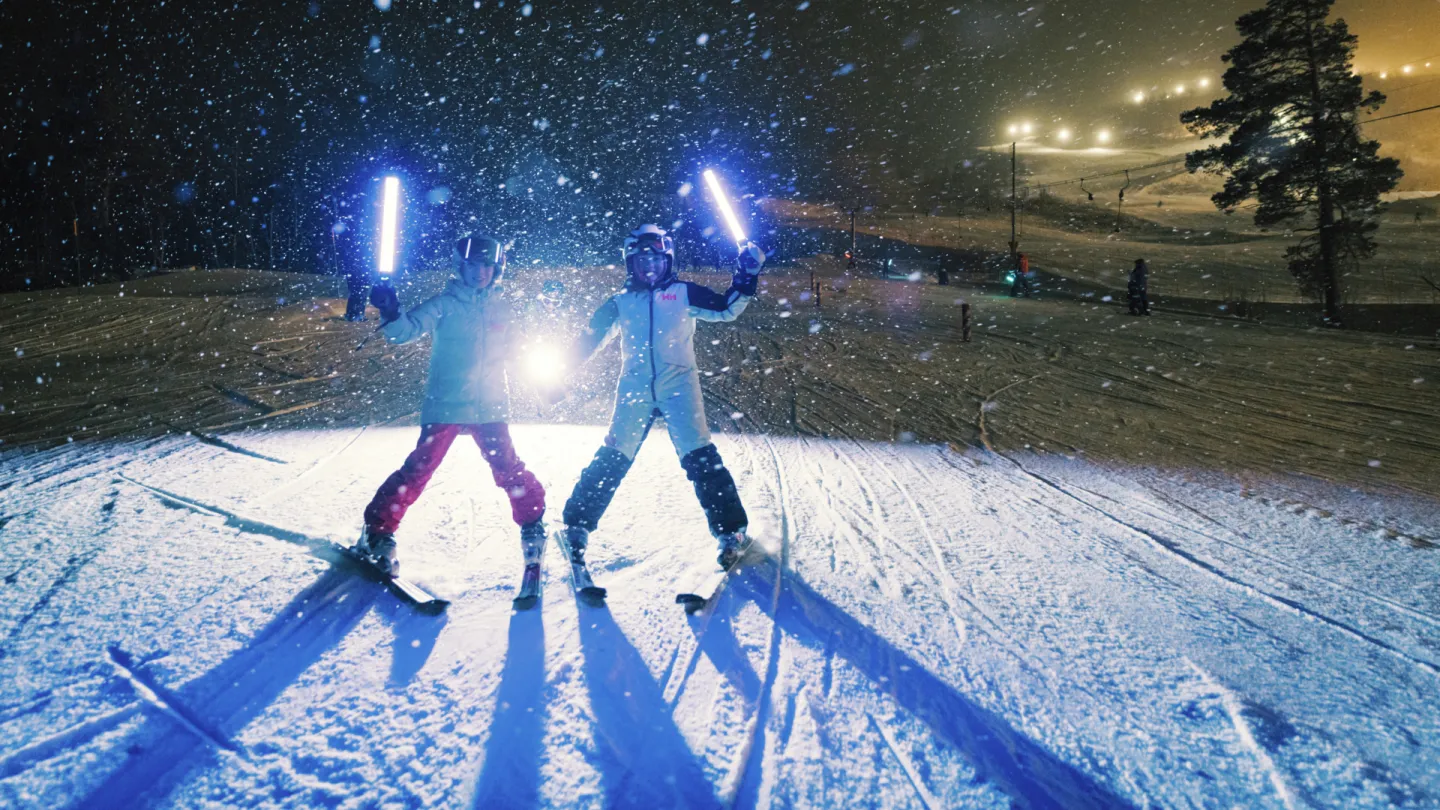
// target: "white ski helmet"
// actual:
[[650, 239], [653, 240]]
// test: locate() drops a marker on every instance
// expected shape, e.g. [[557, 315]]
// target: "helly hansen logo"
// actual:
[[667, 296]]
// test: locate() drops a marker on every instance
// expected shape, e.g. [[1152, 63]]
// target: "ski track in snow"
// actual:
[[160, 648]]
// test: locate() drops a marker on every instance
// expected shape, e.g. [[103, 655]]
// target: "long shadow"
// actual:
[[415, 637], [1024, 770], [224, 700], [644, 759], [511, 774]]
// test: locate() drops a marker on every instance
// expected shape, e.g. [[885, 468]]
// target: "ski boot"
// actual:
[[576, 540], [732, 547], [378, 549], [573, 541], [532, 546]]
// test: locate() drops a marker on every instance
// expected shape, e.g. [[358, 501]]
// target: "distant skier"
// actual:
[[1138, 290], [474, 335], [655, 316], [1024, 280]]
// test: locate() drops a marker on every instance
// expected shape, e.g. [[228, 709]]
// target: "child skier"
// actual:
[[467, 393], [655, 316]]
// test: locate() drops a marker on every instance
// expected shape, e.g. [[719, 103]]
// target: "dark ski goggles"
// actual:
[[481, 249]]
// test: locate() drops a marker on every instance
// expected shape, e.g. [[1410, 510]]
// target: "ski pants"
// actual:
[[403, 487], [685, 420], [1139, 302]]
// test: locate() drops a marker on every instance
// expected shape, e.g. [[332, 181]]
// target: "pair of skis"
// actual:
[[707, 585], [579, 578]]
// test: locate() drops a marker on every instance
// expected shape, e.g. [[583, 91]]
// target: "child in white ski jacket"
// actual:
[[655, 317]]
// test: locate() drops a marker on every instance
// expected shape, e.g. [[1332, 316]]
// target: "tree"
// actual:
[[1294, 141]]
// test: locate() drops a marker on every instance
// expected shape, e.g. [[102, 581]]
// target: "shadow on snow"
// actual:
[[1003, 756], [224, 700], [511, 774]]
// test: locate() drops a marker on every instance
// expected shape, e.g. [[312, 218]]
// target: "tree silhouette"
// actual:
[[1294, 143]]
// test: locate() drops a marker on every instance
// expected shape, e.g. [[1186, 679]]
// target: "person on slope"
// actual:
[[474, 335], [655, 316], [1138, 290]]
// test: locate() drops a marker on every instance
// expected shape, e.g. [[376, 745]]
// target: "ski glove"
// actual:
[[751, 257], [384, 298]]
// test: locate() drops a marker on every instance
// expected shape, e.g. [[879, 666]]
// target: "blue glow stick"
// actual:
[[387, 226], [735, 230]]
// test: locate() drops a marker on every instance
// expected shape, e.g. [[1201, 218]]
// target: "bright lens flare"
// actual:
[[1204, 84], [1137, 97], [544, 364], [1063, 136], [1103, 136], [734, 224], [387, 226]]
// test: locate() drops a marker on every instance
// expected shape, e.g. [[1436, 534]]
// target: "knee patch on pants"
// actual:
[[716, 490], [596, 487]]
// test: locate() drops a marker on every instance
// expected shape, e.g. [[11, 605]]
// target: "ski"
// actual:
[[529, 588], [580, 582], [711, 583], [422, 599]]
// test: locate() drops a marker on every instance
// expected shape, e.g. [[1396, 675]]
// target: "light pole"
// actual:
[[1014, 201]]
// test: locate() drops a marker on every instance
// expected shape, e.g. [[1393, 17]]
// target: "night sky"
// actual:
[[221, 118]]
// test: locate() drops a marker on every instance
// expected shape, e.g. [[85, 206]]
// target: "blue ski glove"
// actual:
[[751, 258], [384, 298], [747, 279]]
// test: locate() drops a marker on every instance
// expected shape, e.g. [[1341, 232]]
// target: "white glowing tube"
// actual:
[[387, 226], [714, 183]]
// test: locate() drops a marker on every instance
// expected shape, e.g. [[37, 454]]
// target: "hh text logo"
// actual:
[[667, 296]]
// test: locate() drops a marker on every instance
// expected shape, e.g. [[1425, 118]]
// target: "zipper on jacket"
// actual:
[[654, 397]]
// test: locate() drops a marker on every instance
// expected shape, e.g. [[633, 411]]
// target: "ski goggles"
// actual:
[[480, 249], [649, 243]]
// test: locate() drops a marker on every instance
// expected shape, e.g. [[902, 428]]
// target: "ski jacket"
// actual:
[[657, 331], [1139, 277], [473, 335]]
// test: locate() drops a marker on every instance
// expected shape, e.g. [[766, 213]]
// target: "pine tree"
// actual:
[[1294, 142]]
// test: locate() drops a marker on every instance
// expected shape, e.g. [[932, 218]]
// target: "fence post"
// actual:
[[965, 321]]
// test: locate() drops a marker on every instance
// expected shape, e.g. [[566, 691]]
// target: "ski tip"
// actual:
[[525, 602], [434, 607], [593, 594], [691, 601]]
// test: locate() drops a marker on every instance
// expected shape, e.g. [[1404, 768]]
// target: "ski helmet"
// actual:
[[652, 240], [486, 249]]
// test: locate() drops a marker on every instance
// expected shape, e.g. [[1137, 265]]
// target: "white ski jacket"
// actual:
[[474, 335], [657, 362]]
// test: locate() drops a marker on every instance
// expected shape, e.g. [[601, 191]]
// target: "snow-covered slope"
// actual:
[[936, 629]]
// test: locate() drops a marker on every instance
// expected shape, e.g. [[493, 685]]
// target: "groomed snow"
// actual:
[[938, 629]]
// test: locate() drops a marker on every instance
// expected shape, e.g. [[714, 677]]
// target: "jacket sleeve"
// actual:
[[604, 325], [416, 322], [708, 305]]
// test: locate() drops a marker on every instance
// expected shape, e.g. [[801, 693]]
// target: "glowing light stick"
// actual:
[[387, 226], [714, 183]]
